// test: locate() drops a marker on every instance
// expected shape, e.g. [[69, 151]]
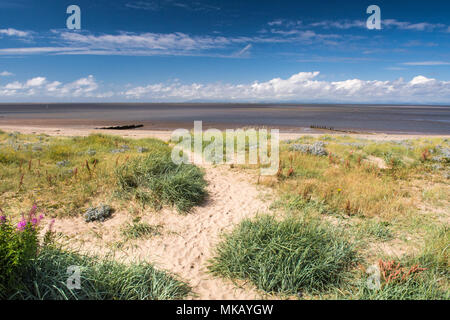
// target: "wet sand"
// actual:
[[166, 134], [289, 118]]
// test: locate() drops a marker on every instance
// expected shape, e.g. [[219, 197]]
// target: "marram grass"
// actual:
[[63, 175], [157, 181], [101, 279], [284, 257]]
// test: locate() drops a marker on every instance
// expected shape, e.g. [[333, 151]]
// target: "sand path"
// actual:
[[187, 241], [232, 198]]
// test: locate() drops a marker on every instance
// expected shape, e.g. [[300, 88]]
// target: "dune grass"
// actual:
[[350, 181], [101, 279], [64, 175], [389, 196], [285, 257], [157, 181]]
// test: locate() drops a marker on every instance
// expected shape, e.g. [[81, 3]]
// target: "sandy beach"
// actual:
[[224, 158], [189, 241], [61, 130]]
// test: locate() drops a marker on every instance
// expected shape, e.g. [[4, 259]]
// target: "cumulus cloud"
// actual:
[[302, 86], [40, 87], [35, 82], [14, 32], [6, 74]]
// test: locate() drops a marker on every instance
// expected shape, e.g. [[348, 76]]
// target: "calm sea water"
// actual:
[[385, 118]]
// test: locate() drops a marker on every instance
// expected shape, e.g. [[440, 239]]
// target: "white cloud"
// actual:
[[302, 86], [422, 26], [40, 87], [147, 44], [14, 85], [14, 32], [277, 22], [244, 52], [142, 5], [6, 74], [343, 24], [36, 50], [144, 40], [348, 24], [427, 63], [35, 82], [421, 80], [155, 5]]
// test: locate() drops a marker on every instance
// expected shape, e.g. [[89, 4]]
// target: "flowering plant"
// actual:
[[18, 246], [31, 221]]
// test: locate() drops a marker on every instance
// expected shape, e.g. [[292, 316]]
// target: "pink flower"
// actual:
[[32, 219], [22, 225]]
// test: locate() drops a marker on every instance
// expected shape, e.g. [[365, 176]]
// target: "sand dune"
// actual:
[[188, 240]]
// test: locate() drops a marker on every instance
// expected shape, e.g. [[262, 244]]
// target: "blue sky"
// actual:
[[173, 50]]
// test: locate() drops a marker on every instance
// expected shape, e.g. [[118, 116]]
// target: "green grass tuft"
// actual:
[[101, 279], [157, 181], [284, 256]]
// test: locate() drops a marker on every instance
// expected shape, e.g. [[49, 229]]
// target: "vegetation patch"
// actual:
[[285, 257], [34, 269], [101, 279], [139, 229], [63, 175], [156, 180], [345, 181]]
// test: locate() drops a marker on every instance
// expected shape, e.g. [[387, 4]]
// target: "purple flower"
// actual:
[[2, 219], [21, 225]]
